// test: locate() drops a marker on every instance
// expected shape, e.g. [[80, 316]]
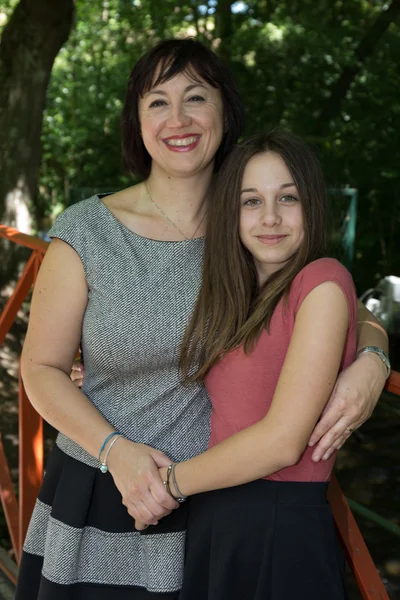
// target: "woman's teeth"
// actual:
[[183, 142]]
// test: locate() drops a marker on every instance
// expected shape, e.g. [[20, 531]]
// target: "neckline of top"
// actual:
[[133, 233]]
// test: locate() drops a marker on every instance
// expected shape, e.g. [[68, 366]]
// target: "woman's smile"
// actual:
[[183, 142]]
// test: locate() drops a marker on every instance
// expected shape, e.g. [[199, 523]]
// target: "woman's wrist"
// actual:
[[375, 362], [116, 452]]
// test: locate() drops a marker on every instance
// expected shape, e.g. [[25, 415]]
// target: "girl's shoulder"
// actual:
[[320, 271], [323, 269]]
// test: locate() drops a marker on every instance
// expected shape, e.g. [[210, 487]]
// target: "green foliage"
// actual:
[[286, 57]]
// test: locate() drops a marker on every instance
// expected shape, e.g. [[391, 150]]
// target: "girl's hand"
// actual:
[[77, 374], [353, 399], [134, 468]]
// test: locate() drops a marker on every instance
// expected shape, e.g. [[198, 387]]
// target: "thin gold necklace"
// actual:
[[170, 220]]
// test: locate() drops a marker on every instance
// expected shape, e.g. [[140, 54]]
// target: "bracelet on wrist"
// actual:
[[379, 352], [167, 484], [103, 463]]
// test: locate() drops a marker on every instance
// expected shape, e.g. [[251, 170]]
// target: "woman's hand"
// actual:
[[162, 471], [352, 402], [77, 374], [134, 468]]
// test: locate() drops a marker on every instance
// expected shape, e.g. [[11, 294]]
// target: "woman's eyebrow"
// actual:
[[187, 89]]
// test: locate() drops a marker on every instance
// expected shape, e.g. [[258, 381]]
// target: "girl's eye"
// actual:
[[157, 103], [252, 202], [289, 199]]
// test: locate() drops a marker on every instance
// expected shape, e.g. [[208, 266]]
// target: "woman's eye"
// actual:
[[289, 199], [157, 103], [196, 99]]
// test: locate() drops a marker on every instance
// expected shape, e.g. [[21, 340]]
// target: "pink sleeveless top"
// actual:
[[241, 387]]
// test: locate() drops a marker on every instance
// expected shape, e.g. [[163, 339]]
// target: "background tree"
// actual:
[[327, 70], [30, 42]]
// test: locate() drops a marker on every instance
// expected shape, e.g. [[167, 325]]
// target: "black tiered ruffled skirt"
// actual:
[[82, 543], [264, 540]]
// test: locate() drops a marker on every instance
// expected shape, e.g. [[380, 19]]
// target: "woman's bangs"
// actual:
[[169, 67]]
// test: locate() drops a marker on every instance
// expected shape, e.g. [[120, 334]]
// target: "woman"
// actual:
[[121, 276], [270, 354]]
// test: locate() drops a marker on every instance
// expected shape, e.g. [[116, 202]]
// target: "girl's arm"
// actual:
[[305, 384], [356, 392], [54, 333]]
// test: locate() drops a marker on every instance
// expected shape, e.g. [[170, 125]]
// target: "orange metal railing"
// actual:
[[18, 513]]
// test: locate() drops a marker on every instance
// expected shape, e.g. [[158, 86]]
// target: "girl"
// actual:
[[274, 324]]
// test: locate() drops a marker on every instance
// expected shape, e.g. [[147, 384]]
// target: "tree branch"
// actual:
[[365, 49]]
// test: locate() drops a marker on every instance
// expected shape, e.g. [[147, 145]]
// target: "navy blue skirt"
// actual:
[[264, 540]]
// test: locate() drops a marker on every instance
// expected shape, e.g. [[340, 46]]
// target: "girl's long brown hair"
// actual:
[[232, 309]]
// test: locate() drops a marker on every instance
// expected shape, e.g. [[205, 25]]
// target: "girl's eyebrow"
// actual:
[[283, 186], [187, 89]]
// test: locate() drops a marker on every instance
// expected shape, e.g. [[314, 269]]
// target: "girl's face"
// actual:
[[271, 216], [182, 124]]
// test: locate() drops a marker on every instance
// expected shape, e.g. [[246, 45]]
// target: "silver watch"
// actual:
[[376, 350]]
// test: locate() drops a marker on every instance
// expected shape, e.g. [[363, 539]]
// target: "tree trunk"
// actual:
[[224, 29], [365, 49], [30, 42]]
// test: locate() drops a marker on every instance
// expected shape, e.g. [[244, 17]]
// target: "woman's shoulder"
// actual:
[[77, 215], [123, 201]]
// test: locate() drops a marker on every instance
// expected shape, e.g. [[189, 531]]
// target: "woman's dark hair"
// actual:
[[232, 309], [167, 59]]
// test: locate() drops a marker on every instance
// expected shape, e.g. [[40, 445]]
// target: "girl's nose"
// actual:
[[270, 216]]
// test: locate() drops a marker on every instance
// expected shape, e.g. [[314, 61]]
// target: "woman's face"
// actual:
[[271, 216], [182, 125]]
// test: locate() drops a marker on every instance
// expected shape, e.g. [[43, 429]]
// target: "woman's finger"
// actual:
[[140, 512], [332, 438], [154, 507], [162, 498]]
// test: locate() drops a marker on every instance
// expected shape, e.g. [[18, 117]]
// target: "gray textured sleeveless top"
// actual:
[[141, 295]]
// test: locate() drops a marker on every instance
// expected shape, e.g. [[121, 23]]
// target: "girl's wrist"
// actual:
[[171, 484]]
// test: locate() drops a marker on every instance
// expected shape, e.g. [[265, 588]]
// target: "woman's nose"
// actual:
[[178, 117]]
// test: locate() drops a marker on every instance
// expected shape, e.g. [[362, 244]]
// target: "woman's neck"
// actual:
[[184, 195]]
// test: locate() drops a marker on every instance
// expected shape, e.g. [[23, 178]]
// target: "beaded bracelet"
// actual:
[[103, 466], [108, 438]]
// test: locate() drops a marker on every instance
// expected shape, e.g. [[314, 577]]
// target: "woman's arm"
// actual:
[[305, 384], [356, 392], [53, 337]]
